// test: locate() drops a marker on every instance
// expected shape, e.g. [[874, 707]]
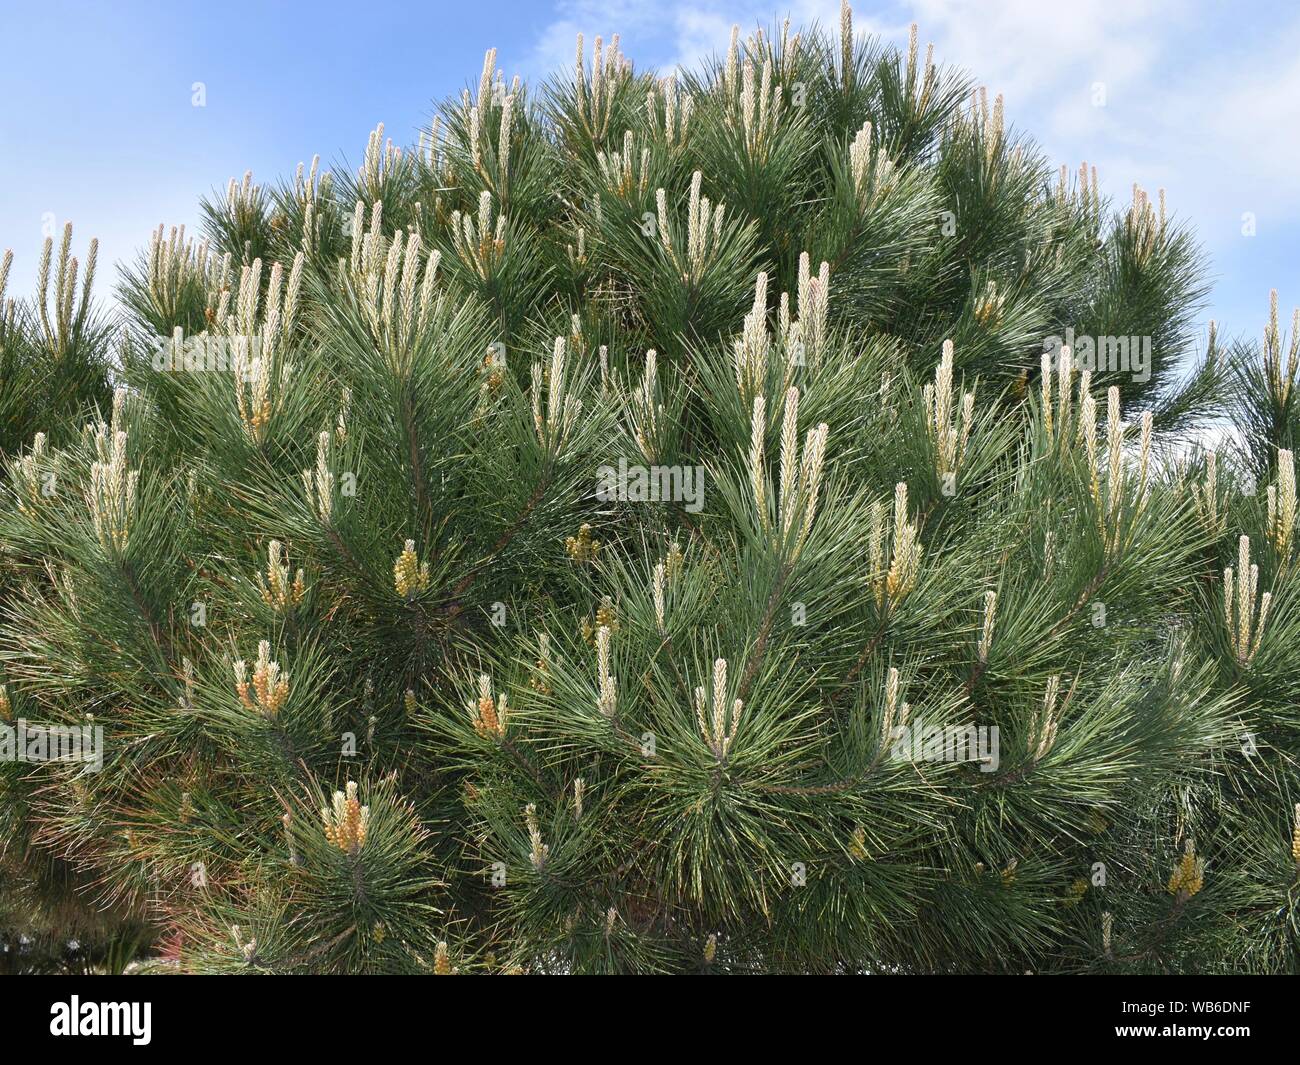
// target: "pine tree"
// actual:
[[648, 526]]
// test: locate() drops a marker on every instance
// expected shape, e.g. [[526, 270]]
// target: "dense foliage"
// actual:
[[588, 541]]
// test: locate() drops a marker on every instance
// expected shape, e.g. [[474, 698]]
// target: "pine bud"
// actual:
[[538, 851], [658, 594], [1239, 609], [1064, 388], [479, 241], [278, 592], [751, 349], [948, 432], [986, 634], [488, 715], [111, 494], [1188, 875], [1042, 734], [858, 844], [320, 482], [583, 547], [757, 462], [347, 821], [718, 729], [607, 683], [894, 716], [905, 564], [789, 456], [649, 411], [410, 576], [814, 304], [270, 687], [1282, 504]]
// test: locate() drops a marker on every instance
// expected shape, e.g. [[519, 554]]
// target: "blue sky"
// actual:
[[99, 126]]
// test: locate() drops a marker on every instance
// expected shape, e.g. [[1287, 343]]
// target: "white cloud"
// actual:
[[1038, 52]]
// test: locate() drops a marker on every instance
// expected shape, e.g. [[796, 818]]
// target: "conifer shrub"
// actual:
[[752, 520]]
